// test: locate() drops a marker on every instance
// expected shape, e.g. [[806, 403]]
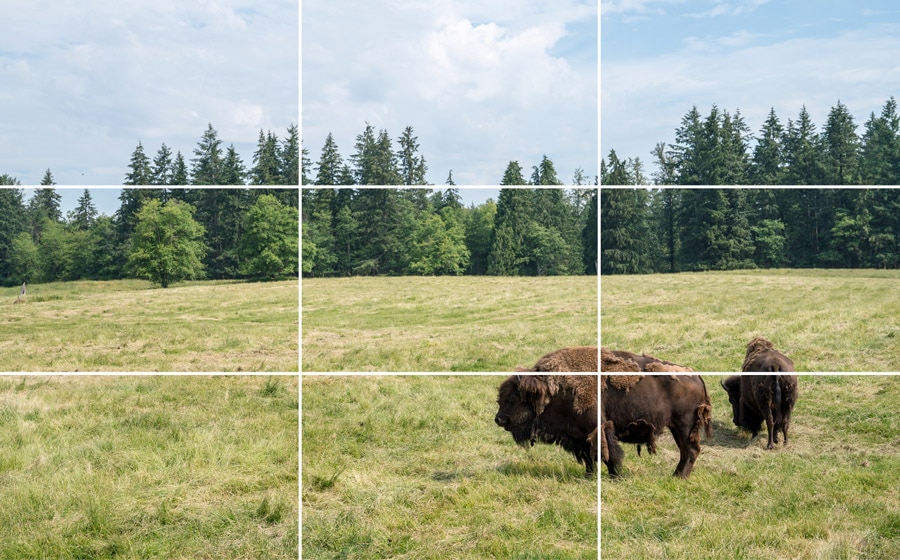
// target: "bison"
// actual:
[[620, 360], [555, 409], [636, 409], [575, 358], [762, 356], [755, 398]]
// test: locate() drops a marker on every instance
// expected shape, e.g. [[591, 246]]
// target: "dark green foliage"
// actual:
[[669, 230], [719, 150], [48, 178], [12, 222], [417, 231], [139, 166], [206, 166], [330, 164], [513, 175]]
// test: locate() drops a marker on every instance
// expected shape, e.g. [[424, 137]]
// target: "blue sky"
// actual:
[[661, 57], [481, 83], [84, 82]]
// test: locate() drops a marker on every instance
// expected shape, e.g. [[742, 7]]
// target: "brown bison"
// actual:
[[762, 356], [555, 409], [755, 398], [575, 358], [620, 360], [637, 408]]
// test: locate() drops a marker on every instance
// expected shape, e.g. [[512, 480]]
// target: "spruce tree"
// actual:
[[207, 166], [48, 178], [840, 146], [179, 172], [84, 215], [330, 164], [139, 166], [233, 172], [266, 168], [412, 167], [767, 165], [513, 175], [161, 172], [289, 157]]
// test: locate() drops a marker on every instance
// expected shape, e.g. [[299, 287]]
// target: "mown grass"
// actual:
[[824, 320], [413, 467], [148, 467], [127, 325], [443, 323], [831, 493]]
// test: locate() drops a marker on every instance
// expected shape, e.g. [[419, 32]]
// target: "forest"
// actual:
[[526, 232], [720, 150], [647, 230], [206, 233], [376, 163], [275, 162]]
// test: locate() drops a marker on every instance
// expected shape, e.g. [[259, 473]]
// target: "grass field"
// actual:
[[413, 467], [174, 467], [443, 323], [824, 320], [127, 325], [830, 494]]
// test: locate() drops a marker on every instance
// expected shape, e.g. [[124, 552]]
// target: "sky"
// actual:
[[659, 58], [84, 82], [481, 83]]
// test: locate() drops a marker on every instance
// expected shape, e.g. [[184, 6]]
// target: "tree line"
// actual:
[[526, 232], [376, 163], [160, 234], [275, 162], [720, 150], [672, 230]]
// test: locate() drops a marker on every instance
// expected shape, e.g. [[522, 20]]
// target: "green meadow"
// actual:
[[830, 493], [144, 467], [415, 467], [128, 325], [824, 320], [471, 323]]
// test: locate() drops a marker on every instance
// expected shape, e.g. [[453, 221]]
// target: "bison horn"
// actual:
[[722, 383]]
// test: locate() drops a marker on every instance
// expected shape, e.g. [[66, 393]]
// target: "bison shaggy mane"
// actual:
[[554, 409]]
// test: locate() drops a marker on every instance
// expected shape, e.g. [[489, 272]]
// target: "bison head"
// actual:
[[521, 400], [732, 386]]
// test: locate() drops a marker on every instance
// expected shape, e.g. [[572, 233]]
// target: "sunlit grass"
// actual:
[[443, 323], [824, 320], [127, 325]]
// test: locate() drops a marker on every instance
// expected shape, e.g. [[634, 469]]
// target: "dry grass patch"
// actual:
[[830, 321], [444, 323], [126, 326]]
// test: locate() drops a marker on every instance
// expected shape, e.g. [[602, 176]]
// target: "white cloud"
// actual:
[[644, 100], [85, 81], [480, 82]]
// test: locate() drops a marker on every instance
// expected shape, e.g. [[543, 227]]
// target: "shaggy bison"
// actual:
[[636, 409], [556, 409], [575, 358], [762, 356], [620, 360], [755, 398]]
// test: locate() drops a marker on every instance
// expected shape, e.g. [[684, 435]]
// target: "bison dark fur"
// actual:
[[638, 414], [758, 398], [763, 357], [555, 409]]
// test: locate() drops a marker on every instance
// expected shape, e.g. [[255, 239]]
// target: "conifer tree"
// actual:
[[207, 166], [233, 172], [266, 168], [289, 157], [412, 167], [179, 172], [330, 163], [161, 172], [139, 166], [513, 175], [48, 178]]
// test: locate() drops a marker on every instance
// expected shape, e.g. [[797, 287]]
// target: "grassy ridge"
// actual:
[[831, 493], [148, 467], [824, 320], [443, 323], [414, 467], [127, 326]]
